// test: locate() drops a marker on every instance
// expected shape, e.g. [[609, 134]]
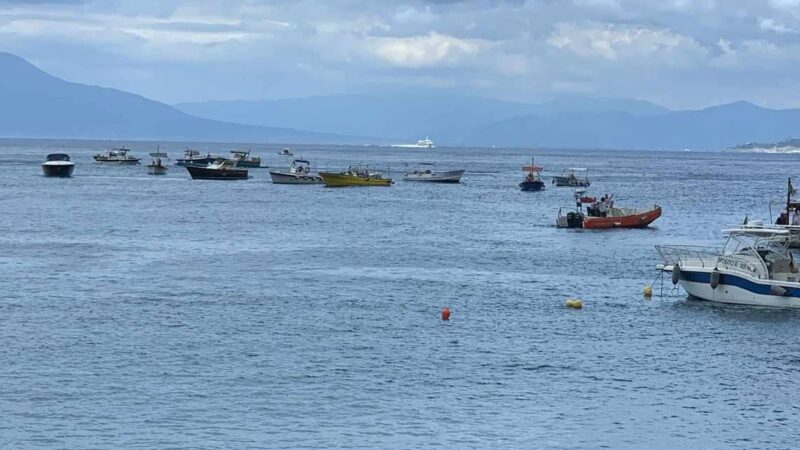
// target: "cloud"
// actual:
[[429, 50], [626, 44], [520, 49]]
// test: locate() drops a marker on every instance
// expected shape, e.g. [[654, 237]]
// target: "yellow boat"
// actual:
[[355, 177]]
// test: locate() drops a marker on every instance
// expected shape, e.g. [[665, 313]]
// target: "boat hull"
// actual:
[[62, 170], [198, 162], [248, 164], [119, 162], [204, 173], [561, 181], [633, 221], [532, 186], [451, 176], [157, 170], [293, 178], [738, 289], [342, 180]]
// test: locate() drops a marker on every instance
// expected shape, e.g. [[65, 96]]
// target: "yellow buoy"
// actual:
[[574, 303], [648, 291]]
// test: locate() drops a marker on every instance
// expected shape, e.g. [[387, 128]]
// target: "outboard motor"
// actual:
[[574, 220]]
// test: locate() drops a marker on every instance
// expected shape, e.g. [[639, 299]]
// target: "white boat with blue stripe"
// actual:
[[755, 267]]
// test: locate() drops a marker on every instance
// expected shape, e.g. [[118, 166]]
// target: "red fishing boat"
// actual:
[[604, 214], [623, 218]]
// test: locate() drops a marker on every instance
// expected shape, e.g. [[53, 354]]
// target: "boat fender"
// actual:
[[676, 274], [714, 279], [778, 290]]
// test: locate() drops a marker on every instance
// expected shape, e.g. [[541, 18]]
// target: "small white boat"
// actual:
[[755, 267], [157, 166], [58, 165], [116, 156], [299, 173], [427, 172], [286, 152]]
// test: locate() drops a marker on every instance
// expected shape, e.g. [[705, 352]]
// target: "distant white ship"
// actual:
[[422, 143], [425, 143]]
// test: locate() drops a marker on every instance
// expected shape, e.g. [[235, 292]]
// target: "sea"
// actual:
[[141, 311]]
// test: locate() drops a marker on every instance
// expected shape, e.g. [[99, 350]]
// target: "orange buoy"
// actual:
[[445, 313]]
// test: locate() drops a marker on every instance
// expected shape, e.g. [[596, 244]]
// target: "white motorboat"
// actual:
[[58, 165], [116, 156], [286, 152], [755, 267], [157, 166], [427, 172], [299, 173]]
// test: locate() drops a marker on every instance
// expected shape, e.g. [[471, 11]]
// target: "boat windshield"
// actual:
[[757, 244]]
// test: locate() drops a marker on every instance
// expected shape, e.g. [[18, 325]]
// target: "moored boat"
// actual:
[[58, 165], [299, 173], [157, 166], [194, 158], [243, 159], [603, 214], [754, 267], [355, 176], [427, 172], [573, 177], [533, 180], [221, 169], [116, 156]]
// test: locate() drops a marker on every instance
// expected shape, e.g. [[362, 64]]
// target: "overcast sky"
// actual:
[[680, 53]]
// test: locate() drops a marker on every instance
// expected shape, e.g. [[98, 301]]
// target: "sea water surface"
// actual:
[[161, 312]]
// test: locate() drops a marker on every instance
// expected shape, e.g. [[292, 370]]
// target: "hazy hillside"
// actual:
[[38, 105], [447, 118], [717, 127]]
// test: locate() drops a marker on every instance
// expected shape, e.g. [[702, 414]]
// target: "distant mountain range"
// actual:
[[572, 122], [38, 105], [449, 119], [34, 104]]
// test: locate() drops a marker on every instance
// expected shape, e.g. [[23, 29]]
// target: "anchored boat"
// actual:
[[573, 177], [243, 159], [156, 166], [427, 172], [754, 267], [116, 156], [194, 158], [355, 176], [299, 173], [604, 214], [221, 169], [532, 181], [286, 152], [58, 165]]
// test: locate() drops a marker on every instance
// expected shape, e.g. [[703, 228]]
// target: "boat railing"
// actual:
[[704, 256]]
